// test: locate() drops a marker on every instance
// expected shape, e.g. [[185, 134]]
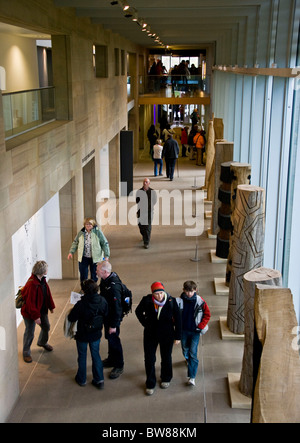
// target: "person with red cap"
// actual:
[[160, 316]]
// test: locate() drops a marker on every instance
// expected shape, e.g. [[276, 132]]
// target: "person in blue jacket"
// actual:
[[195, 316]]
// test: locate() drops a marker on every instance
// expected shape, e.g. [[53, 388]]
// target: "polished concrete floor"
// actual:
[[48, 392]]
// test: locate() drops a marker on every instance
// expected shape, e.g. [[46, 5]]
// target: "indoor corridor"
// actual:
[[48, 392]]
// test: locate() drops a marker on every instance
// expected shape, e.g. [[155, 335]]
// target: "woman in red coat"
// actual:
[[38, 300]]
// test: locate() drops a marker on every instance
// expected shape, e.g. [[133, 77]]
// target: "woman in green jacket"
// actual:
[[92, 247]]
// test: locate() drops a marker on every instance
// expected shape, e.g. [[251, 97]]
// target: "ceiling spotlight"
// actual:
[[131, 12]]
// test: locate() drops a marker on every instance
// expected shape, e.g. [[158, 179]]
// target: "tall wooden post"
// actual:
[[224, 153], [240, 175], [270, 277], [247, 248], [276, 356]]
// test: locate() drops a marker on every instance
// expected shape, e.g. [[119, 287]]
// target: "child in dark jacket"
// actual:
[[195, 316]]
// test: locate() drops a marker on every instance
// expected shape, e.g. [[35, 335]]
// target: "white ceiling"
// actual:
[[181, 24]]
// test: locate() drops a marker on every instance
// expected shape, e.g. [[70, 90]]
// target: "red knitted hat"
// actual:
[[157, 286]]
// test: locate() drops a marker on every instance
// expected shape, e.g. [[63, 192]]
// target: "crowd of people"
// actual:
[[163, 145], [180, 74], [166, 320]]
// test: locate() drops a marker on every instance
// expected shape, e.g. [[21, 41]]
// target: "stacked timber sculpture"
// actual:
[[276, 357], [247, 248]]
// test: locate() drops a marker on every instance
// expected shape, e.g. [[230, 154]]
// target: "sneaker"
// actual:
[[149, 391], [146, 245], [191, 382], [116, 372], [164, 384], [98, 385]]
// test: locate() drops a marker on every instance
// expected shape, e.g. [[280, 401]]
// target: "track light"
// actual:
[[115, 2], [130, 12]]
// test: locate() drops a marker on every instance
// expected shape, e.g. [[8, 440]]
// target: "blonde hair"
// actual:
[[90, 221]]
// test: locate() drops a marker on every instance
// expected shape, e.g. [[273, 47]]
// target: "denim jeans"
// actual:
[[158, 162], [97, 366], [84, 266], [189, 345]]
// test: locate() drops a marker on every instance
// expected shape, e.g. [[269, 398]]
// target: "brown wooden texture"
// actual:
[[277, 385], [270, 277], [240, 175], [247, 248]]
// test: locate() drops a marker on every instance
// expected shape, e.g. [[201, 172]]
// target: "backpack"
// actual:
[[19, 300], [126, 299], [94, 324]]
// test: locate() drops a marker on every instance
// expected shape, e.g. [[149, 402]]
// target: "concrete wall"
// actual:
[[92, 111]]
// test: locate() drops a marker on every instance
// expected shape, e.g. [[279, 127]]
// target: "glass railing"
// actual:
[[168, 85], [26, 110], [178, 84]]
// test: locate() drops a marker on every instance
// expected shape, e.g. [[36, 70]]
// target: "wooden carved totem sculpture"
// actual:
[[240, 175], [276, 357], [224, 219], [247, 248], [215, 134], [224, 153], [270, 277]]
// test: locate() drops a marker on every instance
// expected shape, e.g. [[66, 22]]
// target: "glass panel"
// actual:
[[27, 110]]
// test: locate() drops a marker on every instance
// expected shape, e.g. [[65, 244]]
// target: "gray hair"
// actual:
[[40, 268], [105, 265]]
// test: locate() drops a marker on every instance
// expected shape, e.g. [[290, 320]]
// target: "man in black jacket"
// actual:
[[146, 198], [170, 154], [111, 290]]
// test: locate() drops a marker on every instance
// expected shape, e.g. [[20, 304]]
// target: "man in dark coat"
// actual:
[[111, 290], [146, 199], [170, 154]]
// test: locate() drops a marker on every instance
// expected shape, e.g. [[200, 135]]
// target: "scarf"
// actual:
[[159, 304]]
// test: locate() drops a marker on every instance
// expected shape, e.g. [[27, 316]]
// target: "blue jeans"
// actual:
[[84, 266], [158, 162], [189, 345], [97, 366]]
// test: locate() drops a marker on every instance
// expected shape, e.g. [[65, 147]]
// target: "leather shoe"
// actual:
[[27, 358], [47, 347]]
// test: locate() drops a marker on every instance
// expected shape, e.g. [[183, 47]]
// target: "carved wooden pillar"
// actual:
[[247, 248], [276, 353], [210, 155], [224, 219], [270, 277], [224, 153], [240, 175]]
